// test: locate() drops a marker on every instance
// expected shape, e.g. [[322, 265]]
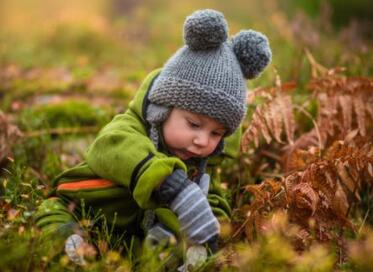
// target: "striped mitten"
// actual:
[[189, 203], [204, 183]]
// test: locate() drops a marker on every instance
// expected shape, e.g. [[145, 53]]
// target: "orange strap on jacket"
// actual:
[[85, 184]]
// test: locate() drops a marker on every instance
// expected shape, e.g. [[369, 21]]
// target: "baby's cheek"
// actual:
[[176, 139], [214, 145]]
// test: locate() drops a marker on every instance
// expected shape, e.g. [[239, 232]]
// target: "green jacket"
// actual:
[[122, 168]]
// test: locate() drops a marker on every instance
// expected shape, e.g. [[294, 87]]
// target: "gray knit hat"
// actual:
[[207, 75]]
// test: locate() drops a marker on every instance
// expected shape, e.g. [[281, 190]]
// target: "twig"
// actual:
[[271, 155], [269, 175], [315, 66], [364, 220], [240, 228]]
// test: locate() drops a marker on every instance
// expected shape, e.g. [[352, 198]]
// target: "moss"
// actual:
[[69, 113]]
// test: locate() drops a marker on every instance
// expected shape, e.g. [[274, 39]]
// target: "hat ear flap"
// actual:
[[157, 113], [252, 51]]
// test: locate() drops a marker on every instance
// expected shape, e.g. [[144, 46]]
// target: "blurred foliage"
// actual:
[[65, 114], [342, 11], [137, 36], [273, 252]]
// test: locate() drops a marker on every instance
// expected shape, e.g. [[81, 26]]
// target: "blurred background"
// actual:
[[136, 36]]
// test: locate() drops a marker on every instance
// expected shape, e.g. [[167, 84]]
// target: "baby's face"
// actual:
[[189, 134]]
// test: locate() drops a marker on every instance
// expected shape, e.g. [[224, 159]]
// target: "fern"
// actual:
[[324, 170], [273, 117]]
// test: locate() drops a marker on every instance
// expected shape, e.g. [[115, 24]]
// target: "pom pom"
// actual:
[[252, 51], [205, 29]]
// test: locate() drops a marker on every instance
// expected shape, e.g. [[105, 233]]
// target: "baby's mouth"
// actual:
[[184, 154]]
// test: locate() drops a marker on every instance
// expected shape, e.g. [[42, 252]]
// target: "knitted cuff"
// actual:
[[159, 234], [213, 244], [172, 186], [204, 183]]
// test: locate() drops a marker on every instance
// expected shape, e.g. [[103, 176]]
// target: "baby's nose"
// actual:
[[202, 139]]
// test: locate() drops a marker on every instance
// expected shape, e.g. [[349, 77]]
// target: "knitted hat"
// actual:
[[207, 75]]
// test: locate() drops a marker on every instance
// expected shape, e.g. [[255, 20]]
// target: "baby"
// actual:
[[148, 170]]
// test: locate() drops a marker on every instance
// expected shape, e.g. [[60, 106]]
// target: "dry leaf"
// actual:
[[359, 108]]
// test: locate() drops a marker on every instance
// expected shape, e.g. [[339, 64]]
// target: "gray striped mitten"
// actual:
[[195, 214], [191, 206], [204, 183]]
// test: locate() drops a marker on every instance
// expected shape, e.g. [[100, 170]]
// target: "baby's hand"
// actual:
[[190, 204]]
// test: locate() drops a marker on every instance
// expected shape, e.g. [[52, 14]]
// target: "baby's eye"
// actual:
[[217, 134], [193, 124]]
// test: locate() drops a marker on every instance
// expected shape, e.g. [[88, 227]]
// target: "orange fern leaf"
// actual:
[[359, 108], [346, 104], [288, 117], [268, 121], [304, 197], [273, 118]]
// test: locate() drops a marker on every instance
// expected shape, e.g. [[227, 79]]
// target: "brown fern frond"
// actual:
[[250, 135], [340, 201], [326, 117], [322, 191], [336, 83], [370, 169], [267, 196], [325, 168], [299, 159], [345, 103], [262, 125], [259, 201], [271, 119], [359, 107], [291, 181], [351, 161], [315, 175], [288, 117], [345, 178], [260, 93], [304, 197], [264, 192], [369, 108]]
